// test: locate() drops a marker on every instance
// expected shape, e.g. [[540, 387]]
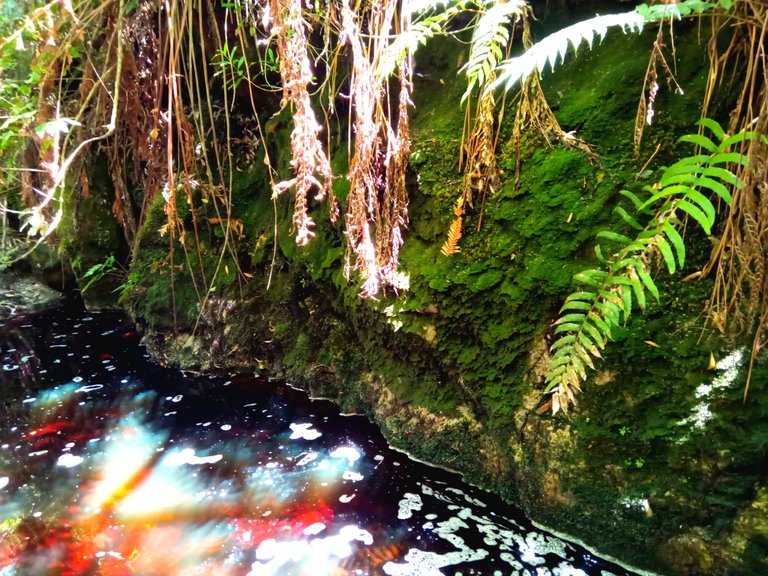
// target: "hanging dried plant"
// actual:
[[312, 170]]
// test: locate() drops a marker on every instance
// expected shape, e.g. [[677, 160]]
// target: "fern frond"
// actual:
[[419, 32], [589, 316], [553, 49], [488, 41], [451, 244]]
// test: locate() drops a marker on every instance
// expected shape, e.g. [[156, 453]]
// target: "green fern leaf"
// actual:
[[732, 157], [672, 190], [568, 327], [666, 251], [610, 311], [700, 141], [562, 342], [677, 241], [722, 174], [737, 138], [586, 342], [626, 300], [647, 280], [713, 126], [575, 317], [627, 218], [592, 278], [697, 214], [576, 305], [596, 335], [634, 198], [620, 238], [637, 288], [582, 295], [717, 187], [584, 355], [704, 203], [601, 324]]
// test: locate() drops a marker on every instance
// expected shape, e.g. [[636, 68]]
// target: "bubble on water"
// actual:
[[4, 480], [345, 498], [353, 476], [69, 460], [313, 529], [177, 398], [77, 379], [348, 452], [90, 388], [226, 427], [187, 456], [303, 431], [408, 505]]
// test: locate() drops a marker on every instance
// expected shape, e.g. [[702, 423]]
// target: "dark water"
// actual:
[[111, 464]]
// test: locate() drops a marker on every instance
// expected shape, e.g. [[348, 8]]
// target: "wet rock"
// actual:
[[22, 294]]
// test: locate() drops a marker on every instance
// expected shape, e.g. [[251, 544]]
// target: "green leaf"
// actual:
[[703, 202], [576, 305], [627, 218], [666, 252], [695, 212], [610, 311], [562, 341], [601, 324], [680, 189], [647, 280], [626, 299], [585, 341], [732, 157], [713, 126], [581, 296], [567, 328], [585, 356], [637, 287], [722, 174], [677, 241], [700, 141], [594, 278], [597, 336], [620, 238], [633, 197], [737, 138], [717, 187], [575, 317], [562, 360]]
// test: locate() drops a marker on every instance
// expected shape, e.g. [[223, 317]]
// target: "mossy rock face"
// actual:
[[89, 234], [663, 464]]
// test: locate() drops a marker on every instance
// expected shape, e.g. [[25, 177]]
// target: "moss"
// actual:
[[463, 347], [89, 233]]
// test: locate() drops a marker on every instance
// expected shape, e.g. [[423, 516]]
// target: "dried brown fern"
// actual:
[[451, 244]]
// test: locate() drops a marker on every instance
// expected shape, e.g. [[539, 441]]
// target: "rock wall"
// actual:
[[663, 464]]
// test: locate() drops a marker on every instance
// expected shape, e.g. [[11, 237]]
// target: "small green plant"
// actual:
[[101, 270], [634, 463], [590, 314]]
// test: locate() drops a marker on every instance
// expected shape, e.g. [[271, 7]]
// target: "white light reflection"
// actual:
[[129, 452], [303, 431], [318, 556], [69, 460]]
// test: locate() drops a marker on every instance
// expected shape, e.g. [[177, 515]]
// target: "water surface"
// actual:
[[111, 464]]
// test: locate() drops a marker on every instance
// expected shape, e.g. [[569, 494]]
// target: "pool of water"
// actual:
[[112, 464]]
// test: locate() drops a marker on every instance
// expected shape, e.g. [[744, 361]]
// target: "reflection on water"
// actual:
[[110, 464]]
